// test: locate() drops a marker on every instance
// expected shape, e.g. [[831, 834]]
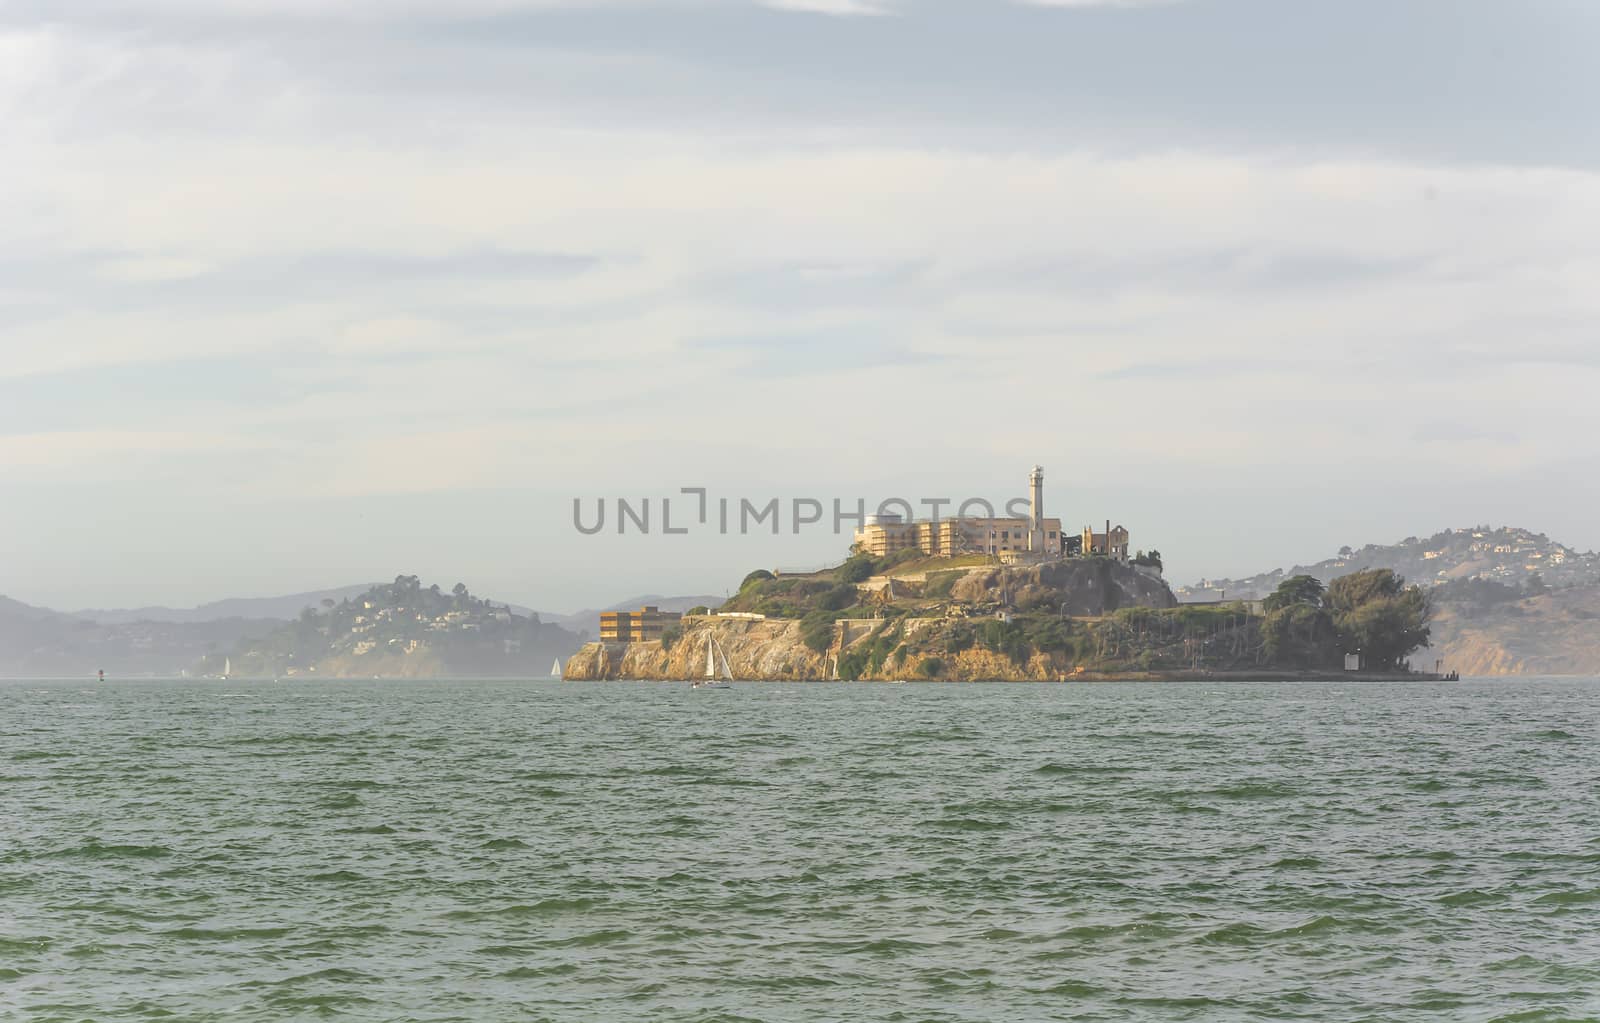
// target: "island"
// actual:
[[1016, 599]]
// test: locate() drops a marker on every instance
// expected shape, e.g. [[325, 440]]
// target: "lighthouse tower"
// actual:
[[1036, 509]]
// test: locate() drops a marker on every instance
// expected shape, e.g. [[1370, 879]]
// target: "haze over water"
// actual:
[[495, 850]]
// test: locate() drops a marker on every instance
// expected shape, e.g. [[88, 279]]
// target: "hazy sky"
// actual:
[[299, 293]]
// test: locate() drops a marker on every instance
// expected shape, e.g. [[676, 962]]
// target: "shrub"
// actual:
[[816, 631], [959, 638], [930, 667], [1004, 638], [855, 570], [940, 583], [758, 576], [700, 610], [670, 635], [838, 598], [1050, 634]]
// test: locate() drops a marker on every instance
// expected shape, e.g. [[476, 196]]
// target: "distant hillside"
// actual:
[[1506, 554], [494, 638], [35, 641], [279, 608], [404, 629], [1513, 632]]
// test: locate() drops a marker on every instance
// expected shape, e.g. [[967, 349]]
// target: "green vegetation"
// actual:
[[1306, 629], [869, 655], [816, 630], [1373, 613], [670, 635], [856, 570], [939, 584], [1377, 614], [930, 667]]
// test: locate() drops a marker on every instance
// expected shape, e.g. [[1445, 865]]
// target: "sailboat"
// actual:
[[227, 667], [555, 668], [713, 679]]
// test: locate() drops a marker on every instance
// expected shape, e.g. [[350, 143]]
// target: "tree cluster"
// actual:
[[1371, 613]]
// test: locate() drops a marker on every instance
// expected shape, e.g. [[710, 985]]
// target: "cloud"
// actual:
[[837, 8], [428, 249]]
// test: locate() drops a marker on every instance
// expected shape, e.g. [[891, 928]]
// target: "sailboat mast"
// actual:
[[711, 656]]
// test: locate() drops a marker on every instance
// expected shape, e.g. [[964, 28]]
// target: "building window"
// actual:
[[1052, 534]]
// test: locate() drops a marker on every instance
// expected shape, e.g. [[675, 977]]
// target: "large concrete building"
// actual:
[[642, 626], [1034, 535]]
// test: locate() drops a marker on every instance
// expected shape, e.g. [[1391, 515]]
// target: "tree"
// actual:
[[1377, 614], [459, 589], [855, 570], [1536, 586], [1300, 635], [1301, 589]]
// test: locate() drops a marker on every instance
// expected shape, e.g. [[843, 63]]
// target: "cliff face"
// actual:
[[772, 651], [1557, 633], [756, 651], [1084, 587]]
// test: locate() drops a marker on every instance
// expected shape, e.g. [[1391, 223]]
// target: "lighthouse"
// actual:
[[1036, 509]]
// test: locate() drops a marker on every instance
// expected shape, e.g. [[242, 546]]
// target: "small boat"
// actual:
[[896, 682], [713, 679], [555, 669]]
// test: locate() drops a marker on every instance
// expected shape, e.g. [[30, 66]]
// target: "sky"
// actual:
[[301, 293]]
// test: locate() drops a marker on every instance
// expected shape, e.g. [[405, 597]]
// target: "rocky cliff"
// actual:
[[1082, 587], [773, 651], [769, 650]]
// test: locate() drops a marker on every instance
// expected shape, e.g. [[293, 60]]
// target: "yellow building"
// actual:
[[642, 626], [948, 538], [885, 534]]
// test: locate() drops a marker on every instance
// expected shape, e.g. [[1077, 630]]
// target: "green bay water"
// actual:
[[545, 851]]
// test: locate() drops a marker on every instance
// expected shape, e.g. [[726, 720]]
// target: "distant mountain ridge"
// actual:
[[282, 608], [1504, 554]]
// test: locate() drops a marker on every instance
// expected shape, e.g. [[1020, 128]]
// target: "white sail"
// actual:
[[726, 674], [711, 656], [555, 668], [227, 667]]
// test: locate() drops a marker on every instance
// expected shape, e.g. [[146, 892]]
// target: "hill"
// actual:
[[1505, 554], [36, 641], [265, 608], [476, 637], [404, 629]]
